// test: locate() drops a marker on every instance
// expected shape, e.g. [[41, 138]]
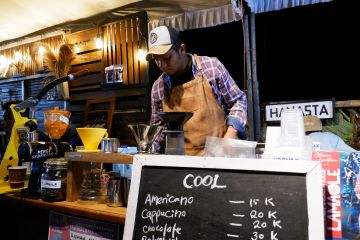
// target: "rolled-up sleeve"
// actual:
[[235, 102], [156, 106]]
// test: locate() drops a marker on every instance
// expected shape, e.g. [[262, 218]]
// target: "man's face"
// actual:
[[170, 62]]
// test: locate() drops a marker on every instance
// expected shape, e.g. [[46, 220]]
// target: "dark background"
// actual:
[[306, 52], [309, 52]]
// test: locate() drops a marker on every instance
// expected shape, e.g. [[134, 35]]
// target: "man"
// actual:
[[197, 84], [323, 141]]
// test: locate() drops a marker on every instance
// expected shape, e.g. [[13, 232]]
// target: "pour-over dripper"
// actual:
[[175, 120], [91, 137], [144, 135], [174, 132]]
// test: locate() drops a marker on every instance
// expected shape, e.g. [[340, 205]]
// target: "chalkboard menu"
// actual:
[[198, 198]]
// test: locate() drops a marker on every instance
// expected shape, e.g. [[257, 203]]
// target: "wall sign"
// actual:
[[181, 197], [321, 109]]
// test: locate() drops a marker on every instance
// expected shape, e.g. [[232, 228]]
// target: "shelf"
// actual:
[[94, 211], [99, 157], [79, 162], [120, 85], [25, 78]]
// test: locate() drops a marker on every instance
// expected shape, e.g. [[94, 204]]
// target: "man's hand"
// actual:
[[231, 133]]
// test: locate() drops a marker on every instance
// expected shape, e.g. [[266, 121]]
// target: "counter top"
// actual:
[[94, 211], [80, 161]]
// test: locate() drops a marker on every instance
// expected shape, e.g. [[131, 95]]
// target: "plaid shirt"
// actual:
[[229, 96]]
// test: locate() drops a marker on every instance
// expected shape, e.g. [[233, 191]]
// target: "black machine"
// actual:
[[38, 153]]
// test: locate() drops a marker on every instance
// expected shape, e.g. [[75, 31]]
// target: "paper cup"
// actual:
[[17, 175]]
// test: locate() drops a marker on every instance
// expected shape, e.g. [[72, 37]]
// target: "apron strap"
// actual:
[[198, 62]]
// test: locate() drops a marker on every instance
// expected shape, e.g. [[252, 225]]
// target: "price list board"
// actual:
[[207, 199]]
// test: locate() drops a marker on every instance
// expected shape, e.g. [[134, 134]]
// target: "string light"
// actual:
[[41, 50], [98, 41], [2, 60], [17, 56], [141, 54], [3, 66]]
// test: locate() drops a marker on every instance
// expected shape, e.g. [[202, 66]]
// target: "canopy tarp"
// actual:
[[24, 18], [19, 19], [259, 6]]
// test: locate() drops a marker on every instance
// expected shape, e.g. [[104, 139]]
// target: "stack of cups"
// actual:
[[292, 127]]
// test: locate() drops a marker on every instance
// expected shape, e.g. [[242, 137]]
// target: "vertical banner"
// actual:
[[350, 194], [330, 162], [341, 184]]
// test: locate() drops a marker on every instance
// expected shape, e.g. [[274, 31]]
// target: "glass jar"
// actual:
[[90, 190], [54, 180]]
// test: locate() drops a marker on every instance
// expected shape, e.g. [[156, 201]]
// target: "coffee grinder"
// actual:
[[20, 148], [174, 131], [22, 125], [31, 150]]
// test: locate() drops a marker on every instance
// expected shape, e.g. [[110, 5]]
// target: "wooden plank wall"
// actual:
[[26, 52], [122, 41], [131, 109], [130, 102], [87, 57]]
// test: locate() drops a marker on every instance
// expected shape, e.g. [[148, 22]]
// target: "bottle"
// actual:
[[54, 180]]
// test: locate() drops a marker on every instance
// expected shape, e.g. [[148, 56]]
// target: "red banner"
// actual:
[[330, 161]]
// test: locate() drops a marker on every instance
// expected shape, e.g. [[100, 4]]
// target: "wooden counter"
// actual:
[[95, 211], [78, 161]]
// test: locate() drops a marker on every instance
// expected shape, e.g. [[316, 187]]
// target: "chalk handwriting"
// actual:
[[191, 181], [168, 199]]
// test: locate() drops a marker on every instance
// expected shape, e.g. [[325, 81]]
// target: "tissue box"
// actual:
[[341, 182]]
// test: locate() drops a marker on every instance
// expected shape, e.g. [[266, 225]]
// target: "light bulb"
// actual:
[[141, 54], [41, 50], [17, 56], [98, 42], [2, 60]]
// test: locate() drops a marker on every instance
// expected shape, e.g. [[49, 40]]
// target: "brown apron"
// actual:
[[196, 96]]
